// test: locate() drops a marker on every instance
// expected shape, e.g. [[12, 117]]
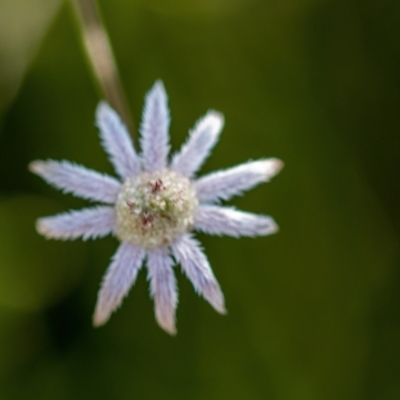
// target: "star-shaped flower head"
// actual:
[[154, 205]]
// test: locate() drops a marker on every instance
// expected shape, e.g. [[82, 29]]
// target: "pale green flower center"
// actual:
[[153, 209]]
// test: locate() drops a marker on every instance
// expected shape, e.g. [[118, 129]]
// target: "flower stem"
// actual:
[[101, 58]]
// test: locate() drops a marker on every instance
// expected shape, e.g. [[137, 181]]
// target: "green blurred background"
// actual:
[[314, 311]]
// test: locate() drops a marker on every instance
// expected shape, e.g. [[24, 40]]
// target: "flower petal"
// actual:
[[154, 129], [78, 180], [117, 142], [88, 223], [119, 278], [189, 254], [218, 220], [233, 181], [201, 141], [163, 287]]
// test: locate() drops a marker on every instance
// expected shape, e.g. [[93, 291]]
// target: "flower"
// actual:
[[154, 206]]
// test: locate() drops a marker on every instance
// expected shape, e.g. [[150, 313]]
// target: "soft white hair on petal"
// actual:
[[217, 220], [116, 141], [163, 287], [119, 278], [78, 180], [88, 223], [154, 129], [189, 254], [222, 185], [197, 148]]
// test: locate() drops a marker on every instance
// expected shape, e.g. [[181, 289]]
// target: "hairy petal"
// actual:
[[119, 278], [154, 129], [217, 220], [78, 180], [222, 185], [189, 254], [88, 223], [117, 142], [201, 141], [163, 287]]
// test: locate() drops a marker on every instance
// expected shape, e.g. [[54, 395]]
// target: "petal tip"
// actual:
[[275, 166], [102, 108], [173, 332], [169, 328], [217, 116], [218, 303], [102, 313], [37, 167], [216, 298], [99, 319], [271, 227], [167, 323], [215, 120], [158, 89], [222, 310], [159, 84], [42, 228]]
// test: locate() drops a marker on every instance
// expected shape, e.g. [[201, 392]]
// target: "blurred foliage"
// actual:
[[314, 310], [35, 283], [23, 24]]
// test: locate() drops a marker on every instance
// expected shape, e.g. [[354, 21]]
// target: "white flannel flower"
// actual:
[[154, 206]]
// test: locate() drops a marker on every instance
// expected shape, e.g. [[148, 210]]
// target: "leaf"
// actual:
[[23, 24]]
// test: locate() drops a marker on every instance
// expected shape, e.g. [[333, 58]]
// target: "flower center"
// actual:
[[154, 208]]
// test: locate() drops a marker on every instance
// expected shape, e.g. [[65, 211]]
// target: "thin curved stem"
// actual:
[[100, 55]]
